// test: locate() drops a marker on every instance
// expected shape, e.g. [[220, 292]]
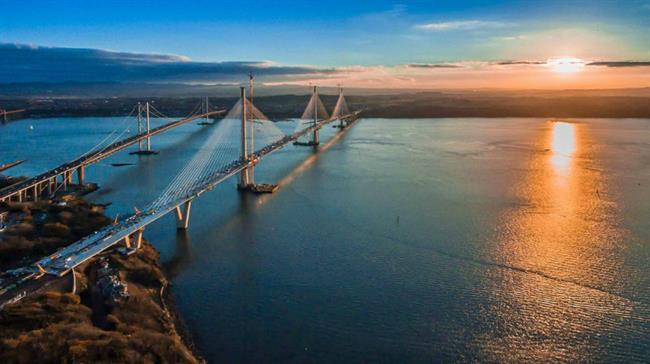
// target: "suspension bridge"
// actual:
[[8, 113], [60, 178], [228, 151]]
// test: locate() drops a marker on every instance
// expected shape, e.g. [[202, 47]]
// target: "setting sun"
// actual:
[[566, 64]]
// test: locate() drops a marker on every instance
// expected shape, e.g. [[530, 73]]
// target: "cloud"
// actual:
[[620, 63], [461, 25], [512, 38], [433, 65], [28, 63], [514, 63]]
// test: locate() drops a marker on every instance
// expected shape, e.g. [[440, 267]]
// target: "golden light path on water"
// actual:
[[563, 145], [563, 245]]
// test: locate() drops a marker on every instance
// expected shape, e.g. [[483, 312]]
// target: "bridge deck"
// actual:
[[95, 156], [73, 255], [18, 283]]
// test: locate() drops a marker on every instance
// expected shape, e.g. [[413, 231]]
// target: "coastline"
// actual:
[[118, 308]]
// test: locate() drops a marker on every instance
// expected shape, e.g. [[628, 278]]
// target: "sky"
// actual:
[[529, 44]]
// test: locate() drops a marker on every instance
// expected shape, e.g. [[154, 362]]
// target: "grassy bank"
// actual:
[[88, 325]]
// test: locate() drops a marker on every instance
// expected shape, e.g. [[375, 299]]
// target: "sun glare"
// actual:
[[566, 64], [563, 145]]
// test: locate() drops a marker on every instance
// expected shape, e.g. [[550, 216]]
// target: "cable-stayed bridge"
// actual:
[[228, 151]]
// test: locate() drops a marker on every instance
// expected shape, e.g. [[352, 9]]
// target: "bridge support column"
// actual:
[[183, 215], [134, 241], [148, 128], [315, 137], [138, 238], [80, 175], [35, 192], [64, 180]]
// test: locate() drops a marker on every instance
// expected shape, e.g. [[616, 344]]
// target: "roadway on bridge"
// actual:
[[205, 171], [95, 156]]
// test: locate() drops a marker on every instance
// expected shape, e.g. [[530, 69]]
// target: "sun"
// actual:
[[566, 64]]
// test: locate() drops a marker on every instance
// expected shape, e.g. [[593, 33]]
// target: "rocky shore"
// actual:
[[113, 309]]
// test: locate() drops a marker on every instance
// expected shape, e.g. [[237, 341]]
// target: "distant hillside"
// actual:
[[630, 103]]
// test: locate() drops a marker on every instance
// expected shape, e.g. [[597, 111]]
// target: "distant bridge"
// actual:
[[48, 183], [4, 118], [212, 164]]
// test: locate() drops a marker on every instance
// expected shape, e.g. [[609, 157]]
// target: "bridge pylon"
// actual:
[[312, 112], [244, 175], [314, 138], [144, 125], [247, 174]]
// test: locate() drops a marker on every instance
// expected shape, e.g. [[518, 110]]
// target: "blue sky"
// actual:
[[339, 34]]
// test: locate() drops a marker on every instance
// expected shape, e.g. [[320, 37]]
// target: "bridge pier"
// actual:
[[183, 215], [64, 180], [80, 175], [50, 186], [137, 240], [314, 139]]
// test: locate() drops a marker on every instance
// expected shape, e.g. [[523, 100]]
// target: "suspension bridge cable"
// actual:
[[96, 146]]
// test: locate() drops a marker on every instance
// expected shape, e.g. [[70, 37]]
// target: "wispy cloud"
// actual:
[[461, 25], [514, 63], [433, 65], [512, 38], [620, 63]]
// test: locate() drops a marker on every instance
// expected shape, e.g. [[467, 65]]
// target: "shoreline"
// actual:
[[181, 327], [125, 298]]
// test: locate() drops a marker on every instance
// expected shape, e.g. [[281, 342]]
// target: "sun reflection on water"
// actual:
[[563, 145], [560, 240]]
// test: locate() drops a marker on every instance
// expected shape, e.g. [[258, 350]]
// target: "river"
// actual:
[[403, 240]]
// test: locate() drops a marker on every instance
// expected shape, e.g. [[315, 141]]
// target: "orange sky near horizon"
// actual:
[[481, 75]]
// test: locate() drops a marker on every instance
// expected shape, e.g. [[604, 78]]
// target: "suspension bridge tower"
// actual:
[[144, 146]]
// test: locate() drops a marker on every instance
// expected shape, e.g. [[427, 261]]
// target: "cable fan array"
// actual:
[[315, 110], [341, 108], [218, 155]]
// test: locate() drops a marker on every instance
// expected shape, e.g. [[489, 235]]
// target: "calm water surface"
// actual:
[[404, 240]]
